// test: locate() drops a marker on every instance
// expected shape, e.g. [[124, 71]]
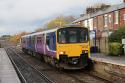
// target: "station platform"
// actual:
[[7, 71], [116, 60], [109, 67]]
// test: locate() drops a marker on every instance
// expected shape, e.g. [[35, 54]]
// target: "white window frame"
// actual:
[[83, 23], [105, 20], [91, 23], [123, 16], [116, 17], [110, 19], [86, 23]]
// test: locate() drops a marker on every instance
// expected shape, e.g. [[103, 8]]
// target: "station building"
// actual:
[[103, 22]]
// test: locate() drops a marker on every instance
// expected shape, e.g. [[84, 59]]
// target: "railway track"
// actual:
[[21, 77], [30, 74], [87, 76], [98, 77], [49, 69]]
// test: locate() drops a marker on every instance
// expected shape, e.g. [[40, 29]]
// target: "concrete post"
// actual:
[[124, 49], [123, 42]]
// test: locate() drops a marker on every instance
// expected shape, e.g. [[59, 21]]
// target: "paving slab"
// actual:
[[117, 60], [7, 71]]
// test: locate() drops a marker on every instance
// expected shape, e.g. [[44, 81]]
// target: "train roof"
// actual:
[[37, 33], [52, 30]]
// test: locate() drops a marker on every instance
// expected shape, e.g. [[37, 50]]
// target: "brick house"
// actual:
[[104, 22]]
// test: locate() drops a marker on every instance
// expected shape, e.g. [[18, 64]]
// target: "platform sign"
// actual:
[[123, 41], [92, 34]]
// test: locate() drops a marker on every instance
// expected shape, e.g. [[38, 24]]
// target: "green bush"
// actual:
[[115, 49], [118, 35], [115, 42]]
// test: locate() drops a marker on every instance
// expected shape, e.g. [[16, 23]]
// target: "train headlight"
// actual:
[[85, 51], [61, 53]]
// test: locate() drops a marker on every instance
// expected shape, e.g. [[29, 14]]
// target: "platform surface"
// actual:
[[7, 71], [117, 60]]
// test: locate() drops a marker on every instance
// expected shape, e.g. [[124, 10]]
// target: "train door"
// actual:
[[44, 43], [33, 43], [39, 44], [51, 41]]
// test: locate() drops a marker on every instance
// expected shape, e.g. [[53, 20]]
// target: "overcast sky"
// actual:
[[28, 15]]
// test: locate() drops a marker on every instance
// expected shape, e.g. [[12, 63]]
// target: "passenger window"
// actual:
[[51, 41], [38, 39], [47, 40], [83, 36], [72, 36], [62, 36]]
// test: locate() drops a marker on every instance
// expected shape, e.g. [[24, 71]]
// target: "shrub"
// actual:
[[115, 42], [118, 35], [115, 49]]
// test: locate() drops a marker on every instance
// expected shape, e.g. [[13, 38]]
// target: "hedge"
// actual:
[[118, 35], [115, 49], [115, 42]]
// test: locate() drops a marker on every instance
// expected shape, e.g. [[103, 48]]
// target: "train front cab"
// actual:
[[73, 47]]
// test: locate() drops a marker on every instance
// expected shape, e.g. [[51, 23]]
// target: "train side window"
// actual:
[[33, 39], [22, 40], [39, 39], [72, 36], [51, 41], [47, 39], [83, 36], [62, 36]]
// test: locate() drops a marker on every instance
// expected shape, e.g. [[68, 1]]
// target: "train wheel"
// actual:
[[90, 65], [34, 54], [31, 53], [45, 58], [42, 58], [54, 62], [60, 68], [25, 51]]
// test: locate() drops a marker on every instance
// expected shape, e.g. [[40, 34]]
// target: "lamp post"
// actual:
[[88, 16], [94, 30], [107, 30], [95, 36]]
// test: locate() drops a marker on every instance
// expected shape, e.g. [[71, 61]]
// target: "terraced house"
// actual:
[[102, 20]]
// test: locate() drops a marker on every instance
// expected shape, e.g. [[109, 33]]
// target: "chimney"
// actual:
[[123, 1], [81, 15]]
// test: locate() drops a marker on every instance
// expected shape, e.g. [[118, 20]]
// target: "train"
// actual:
[[67, 47]]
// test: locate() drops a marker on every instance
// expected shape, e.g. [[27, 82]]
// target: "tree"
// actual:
[[39, 30], [69, 19], [118, 35], [5, 37], [115, 39], [60, 21], [16, 38]]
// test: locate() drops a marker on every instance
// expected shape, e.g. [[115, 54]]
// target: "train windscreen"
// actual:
[[72, 35]]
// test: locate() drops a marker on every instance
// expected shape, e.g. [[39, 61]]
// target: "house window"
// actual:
[[91, 24], [105, 20], [124, 16], [86, 23], [110, 18], [83, 22], [116, 17]]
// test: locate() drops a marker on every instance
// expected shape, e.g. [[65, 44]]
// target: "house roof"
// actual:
[[104, 11]]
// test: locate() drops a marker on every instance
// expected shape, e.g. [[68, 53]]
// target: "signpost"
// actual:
[[123, 42]]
